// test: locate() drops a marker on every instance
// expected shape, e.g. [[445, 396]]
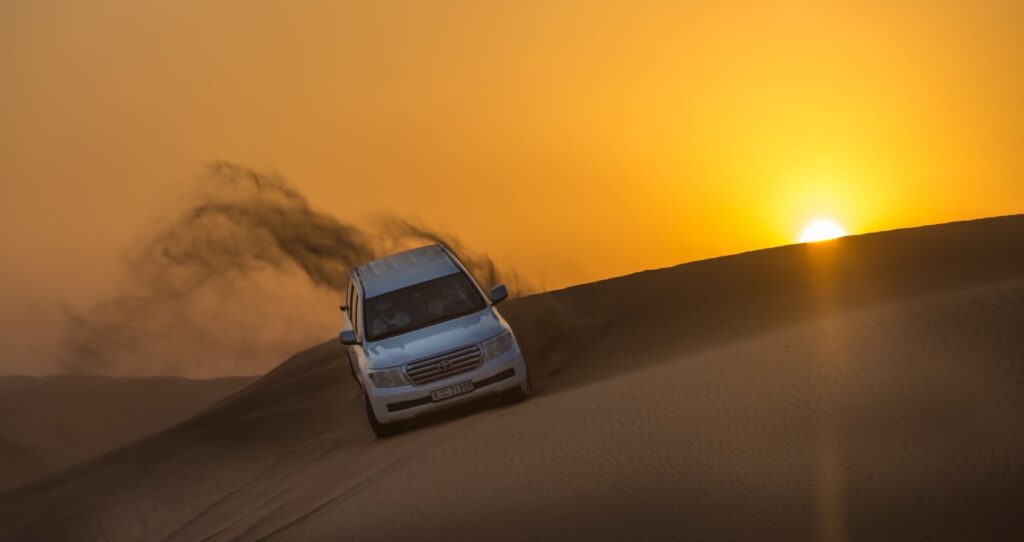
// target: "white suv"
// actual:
[[422, 335]]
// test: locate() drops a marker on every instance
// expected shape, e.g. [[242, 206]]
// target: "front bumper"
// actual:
[[496, 375]]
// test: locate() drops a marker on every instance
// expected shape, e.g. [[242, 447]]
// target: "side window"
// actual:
[[348, 300], [354, 314]]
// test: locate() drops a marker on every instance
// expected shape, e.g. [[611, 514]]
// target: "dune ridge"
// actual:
[[854, 389]]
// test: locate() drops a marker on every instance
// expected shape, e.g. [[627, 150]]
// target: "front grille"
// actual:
[[479, 384], [444, 365]]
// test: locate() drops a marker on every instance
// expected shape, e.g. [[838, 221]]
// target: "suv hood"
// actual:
[[442, 337]]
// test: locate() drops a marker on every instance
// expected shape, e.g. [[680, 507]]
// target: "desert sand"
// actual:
[[47, 423], [866, 388]]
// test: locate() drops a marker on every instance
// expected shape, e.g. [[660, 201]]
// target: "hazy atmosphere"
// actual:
[[568, 141], [425, 270]]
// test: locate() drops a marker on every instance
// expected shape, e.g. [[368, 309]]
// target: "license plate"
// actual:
[[452, 391]]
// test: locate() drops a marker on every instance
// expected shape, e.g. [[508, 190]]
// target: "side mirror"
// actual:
[[499, 293], [348, 337]]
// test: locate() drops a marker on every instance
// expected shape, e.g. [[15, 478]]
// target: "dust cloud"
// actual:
[[247, 272]]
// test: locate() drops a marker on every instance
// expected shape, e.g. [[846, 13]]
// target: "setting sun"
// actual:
[[821, 230]]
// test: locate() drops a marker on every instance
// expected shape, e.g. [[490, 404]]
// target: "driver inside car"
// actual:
[[388, 317]]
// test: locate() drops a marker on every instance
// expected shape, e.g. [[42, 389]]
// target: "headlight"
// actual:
[[388, 378], [497, 345]]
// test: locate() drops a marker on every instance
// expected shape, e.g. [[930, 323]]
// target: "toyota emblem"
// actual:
[[444, 364]]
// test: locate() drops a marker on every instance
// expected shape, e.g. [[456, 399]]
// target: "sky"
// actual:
[[573, 141]]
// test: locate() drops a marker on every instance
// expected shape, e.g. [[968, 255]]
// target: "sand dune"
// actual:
[[47, 423], [868, 388]]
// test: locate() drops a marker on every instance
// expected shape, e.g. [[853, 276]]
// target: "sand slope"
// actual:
[[47, 423], [868, 388]]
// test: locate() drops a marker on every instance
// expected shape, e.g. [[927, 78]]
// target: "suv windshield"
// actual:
[[421, 305]]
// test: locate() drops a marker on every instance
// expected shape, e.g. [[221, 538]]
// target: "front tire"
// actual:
[[382, 430]]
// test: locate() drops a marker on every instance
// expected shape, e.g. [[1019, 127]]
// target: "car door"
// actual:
[[350, 318], [356, 352]]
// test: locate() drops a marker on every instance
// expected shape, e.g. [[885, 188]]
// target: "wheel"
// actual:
[[382, 430]]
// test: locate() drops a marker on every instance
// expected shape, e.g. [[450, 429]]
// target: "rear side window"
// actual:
[[355, 315], [350, 302], [421, 305]]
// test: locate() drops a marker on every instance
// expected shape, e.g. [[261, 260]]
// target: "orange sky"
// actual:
[[572, 140]]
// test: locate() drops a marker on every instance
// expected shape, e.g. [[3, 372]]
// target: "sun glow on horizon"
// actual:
[[821, 230]]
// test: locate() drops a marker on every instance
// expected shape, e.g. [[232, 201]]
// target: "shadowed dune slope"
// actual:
[[47, 423], [867, 387]]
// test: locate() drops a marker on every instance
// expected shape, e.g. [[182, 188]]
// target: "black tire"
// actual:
[[382, 430]]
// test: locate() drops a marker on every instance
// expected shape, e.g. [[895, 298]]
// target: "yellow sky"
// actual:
[[574, 140]]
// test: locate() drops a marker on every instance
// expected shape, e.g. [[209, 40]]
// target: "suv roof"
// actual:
[[403, 269]]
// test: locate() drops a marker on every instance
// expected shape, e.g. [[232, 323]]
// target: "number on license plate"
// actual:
[[452, 391]]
